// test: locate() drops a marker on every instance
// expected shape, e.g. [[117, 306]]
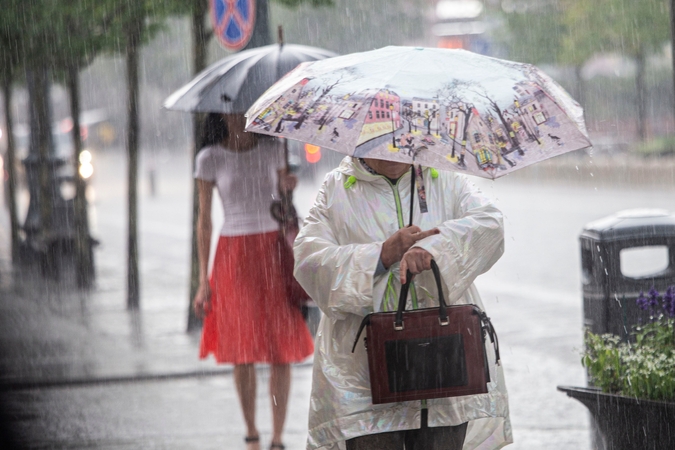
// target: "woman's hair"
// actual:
[[215, 130]]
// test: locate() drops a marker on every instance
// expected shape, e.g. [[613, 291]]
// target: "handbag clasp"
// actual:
[[443, 321], [398, 327]]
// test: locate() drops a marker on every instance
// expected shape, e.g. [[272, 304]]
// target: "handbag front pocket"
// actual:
[[426, 363]]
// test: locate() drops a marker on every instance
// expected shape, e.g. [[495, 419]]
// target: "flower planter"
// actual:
[[627, 423]]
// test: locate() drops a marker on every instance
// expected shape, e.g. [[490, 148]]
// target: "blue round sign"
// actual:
[[233, 22]]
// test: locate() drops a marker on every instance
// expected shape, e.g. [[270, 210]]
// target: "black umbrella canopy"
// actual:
[[232, 84]]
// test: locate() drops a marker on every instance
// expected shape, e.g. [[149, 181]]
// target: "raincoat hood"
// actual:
[[351, 167], [337, 252]]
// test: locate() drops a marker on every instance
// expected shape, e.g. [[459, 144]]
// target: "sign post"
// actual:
[[233, 22]]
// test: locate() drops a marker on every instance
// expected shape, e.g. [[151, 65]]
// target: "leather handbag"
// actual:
[[427, 353]]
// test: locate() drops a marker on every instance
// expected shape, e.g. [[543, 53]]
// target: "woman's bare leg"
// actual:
[[245, 381], [280, 385]]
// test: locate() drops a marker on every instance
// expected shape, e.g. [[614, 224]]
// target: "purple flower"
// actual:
[[653, 298], [669, 301], [642, 301]]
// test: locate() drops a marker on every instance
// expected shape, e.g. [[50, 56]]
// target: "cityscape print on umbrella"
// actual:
[[485, 127]]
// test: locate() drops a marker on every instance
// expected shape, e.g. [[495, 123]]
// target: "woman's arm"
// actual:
[[202, 300]]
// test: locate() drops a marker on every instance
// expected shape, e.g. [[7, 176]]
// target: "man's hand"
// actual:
[[400, 242], [416, 260]]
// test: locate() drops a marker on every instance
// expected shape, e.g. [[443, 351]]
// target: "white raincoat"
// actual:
[[336, 254]]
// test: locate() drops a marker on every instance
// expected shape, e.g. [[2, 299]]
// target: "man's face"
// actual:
[[389, 169]]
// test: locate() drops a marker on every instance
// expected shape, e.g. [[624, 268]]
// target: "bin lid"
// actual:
[[632, 223]]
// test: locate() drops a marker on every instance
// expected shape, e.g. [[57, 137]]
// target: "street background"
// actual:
[[81, 371]]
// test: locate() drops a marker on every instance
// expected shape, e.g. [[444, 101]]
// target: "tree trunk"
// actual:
[[133, 276], [261, 30], [42, 142], [40, 165], [10, 164], [200, 40], [640, 91], [84, 264]]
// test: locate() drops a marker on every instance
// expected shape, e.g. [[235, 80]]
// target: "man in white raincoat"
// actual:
[[348, 255]]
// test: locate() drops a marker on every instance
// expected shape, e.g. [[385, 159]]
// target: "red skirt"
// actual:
[[251, 319]]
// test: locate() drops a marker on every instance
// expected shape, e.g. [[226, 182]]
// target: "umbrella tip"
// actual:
[[280, 31]]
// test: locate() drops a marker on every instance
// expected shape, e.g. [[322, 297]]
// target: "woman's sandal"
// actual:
[[277, 446], [251, 439]]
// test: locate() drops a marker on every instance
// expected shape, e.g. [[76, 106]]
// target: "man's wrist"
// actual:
[[385, 257]]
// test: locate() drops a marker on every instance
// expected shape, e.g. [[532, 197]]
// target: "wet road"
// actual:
[[532, 294]]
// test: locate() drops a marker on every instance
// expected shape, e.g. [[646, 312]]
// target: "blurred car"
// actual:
[[63, 147]]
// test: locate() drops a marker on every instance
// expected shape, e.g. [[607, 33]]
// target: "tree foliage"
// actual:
[[571, 31], [296, 3], [351, 26], [534, 32], [633, 27]]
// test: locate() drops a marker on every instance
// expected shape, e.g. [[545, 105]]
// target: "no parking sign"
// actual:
[[233, 22]]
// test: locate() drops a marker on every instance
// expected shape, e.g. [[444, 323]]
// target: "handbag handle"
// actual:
[[488, 329], [442, 306]]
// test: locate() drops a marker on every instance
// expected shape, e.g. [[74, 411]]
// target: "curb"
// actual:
[[619, 170], [122, 379]]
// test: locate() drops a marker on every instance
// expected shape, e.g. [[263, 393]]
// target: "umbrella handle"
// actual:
[[412, 192], [286, 154]]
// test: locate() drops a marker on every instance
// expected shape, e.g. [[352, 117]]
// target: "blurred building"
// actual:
[[461, 24]]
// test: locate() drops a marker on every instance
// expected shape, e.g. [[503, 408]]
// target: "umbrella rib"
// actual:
[[215, 70]]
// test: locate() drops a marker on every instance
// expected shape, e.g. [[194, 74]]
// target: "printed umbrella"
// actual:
[[232, 84], [447, 109]]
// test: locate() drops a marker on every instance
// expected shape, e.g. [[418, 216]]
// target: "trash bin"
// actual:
[[622, 255]]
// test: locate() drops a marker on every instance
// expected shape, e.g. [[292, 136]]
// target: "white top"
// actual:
[[246, 183]]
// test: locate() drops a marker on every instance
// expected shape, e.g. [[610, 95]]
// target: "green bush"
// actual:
[[662, 146]]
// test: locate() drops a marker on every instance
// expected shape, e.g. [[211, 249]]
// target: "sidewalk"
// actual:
[[78, 373]]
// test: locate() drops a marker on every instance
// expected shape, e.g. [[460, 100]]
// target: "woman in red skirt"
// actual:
[[248, 318]]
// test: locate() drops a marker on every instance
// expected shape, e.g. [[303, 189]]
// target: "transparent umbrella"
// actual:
[[232, 84]]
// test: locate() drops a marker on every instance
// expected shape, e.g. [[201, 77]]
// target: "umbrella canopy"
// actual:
[[232, 84], [447, 109]]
